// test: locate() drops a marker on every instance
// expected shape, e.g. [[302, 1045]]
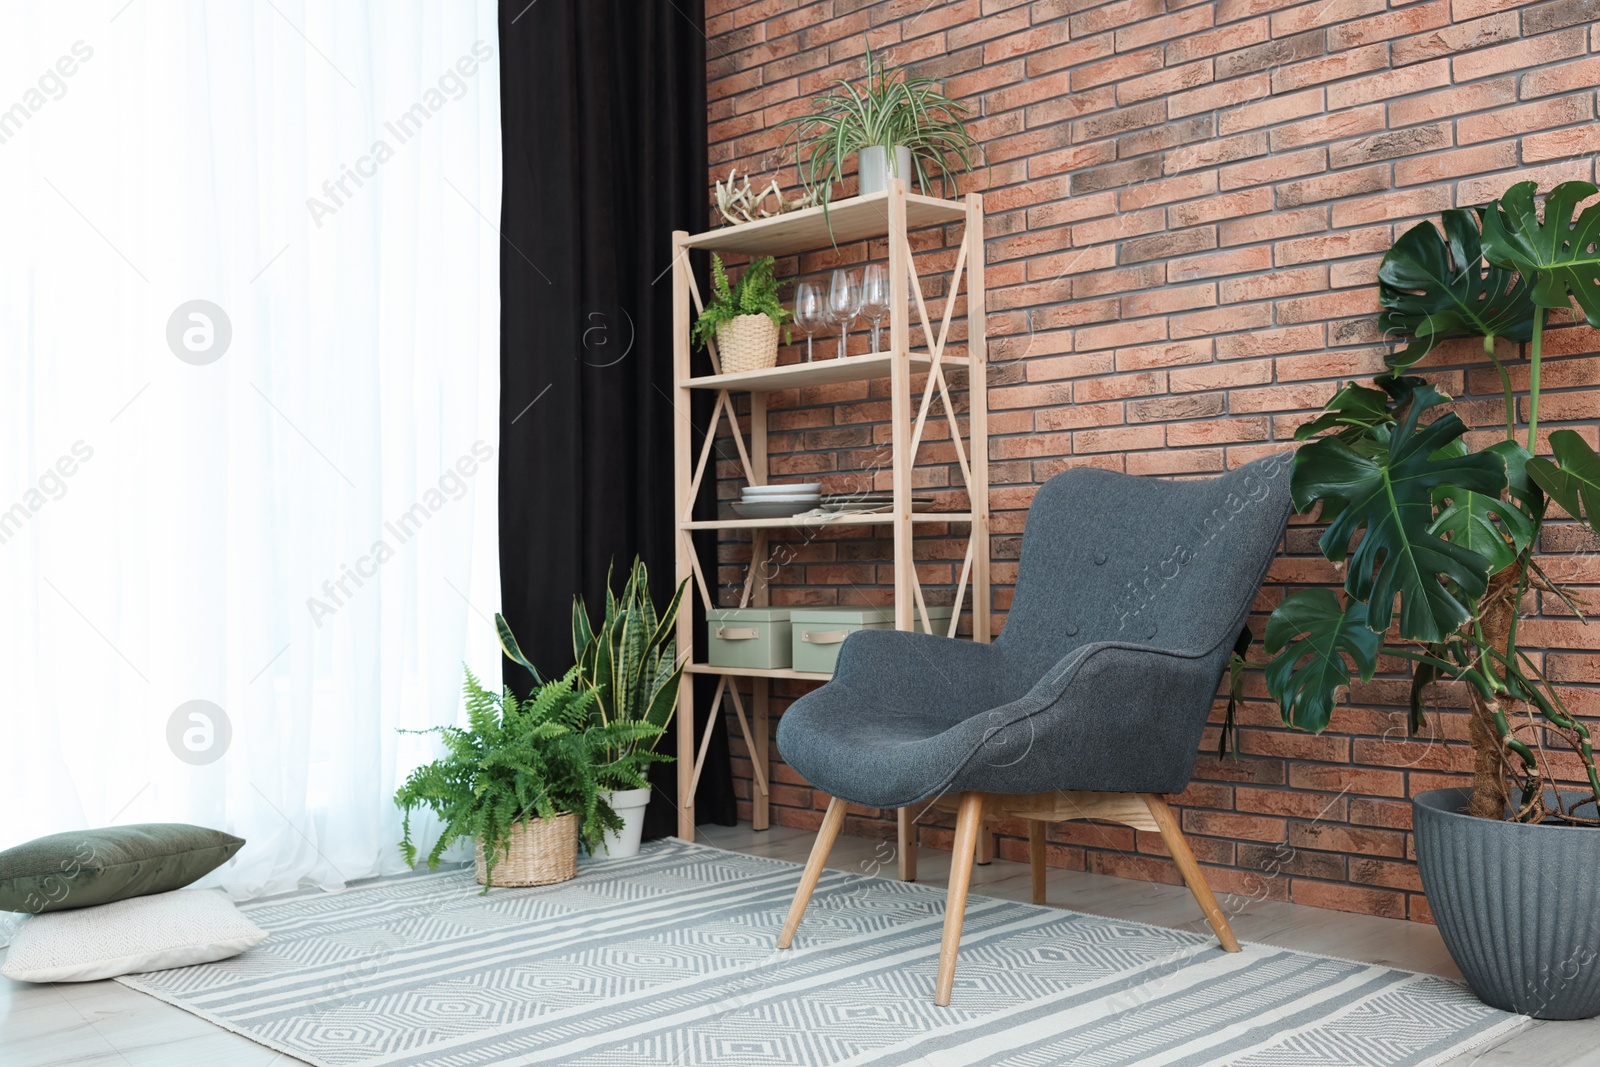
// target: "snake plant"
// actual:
[[630, 660]]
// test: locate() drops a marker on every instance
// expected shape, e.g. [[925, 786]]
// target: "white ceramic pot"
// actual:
[[876, 167], [630, 804]]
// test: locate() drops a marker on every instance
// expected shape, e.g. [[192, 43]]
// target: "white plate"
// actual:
[[789, 499], [872, 508], [779, 489], [771, 509], [870, 498]]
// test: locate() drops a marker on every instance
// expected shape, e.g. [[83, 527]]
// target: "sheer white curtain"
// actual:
[[249, 329]]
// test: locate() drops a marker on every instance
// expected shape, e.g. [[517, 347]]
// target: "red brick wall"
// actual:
[[1187, 203]]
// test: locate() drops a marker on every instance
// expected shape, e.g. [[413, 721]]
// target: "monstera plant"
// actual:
[[1437, 540]]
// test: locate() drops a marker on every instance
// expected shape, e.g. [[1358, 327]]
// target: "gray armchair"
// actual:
[[1129, 599]]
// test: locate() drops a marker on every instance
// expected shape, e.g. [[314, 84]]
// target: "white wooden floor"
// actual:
[[101, 1023]]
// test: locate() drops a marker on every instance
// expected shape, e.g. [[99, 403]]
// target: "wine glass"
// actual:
[[844, 305], [809, 311], [875, 298]]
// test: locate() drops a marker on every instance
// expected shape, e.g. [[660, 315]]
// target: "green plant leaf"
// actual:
[[1521, 486], [1354, 409], [1560, 256], [508, 645], [1387, 499], [1433, 286], [664, 701], [1495, 529], [1423, 674], [1575, 484], [581, 633], [1236, 666], [1308, 636]]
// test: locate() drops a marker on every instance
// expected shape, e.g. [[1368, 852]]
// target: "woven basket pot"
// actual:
[[538, 852], [749, 342]]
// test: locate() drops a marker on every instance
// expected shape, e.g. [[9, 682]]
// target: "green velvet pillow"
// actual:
[[87, 867]]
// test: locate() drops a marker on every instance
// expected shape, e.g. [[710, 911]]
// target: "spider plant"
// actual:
[[893, 109]]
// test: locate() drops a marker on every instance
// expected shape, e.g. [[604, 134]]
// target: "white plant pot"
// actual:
[[876, 167], [630, 804]]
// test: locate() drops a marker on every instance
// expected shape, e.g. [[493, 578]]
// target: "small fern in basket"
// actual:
[[755, 293], [518, 760]]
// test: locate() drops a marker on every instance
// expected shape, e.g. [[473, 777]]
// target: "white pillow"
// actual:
[[151, 933]]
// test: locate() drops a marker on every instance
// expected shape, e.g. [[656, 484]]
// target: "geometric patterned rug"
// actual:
[[667, 958]]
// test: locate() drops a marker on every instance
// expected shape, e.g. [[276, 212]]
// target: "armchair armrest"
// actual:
[[893, 668], [1110, 716]]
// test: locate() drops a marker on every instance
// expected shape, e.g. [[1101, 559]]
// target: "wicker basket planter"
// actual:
[[748, 342], [538, 852]]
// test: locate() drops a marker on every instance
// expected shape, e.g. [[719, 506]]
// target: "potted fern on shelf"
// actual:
[[743, 317], [523, 780], [1438, 542]]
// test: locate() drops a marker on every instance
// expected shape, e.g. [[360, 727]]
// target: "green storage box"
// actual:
[[818, 632], [748, 637]]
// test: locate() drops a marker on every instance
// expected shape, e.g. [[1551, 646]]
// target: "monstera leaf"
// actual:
[[1432, 287], [1575, 485], [1355, 409], [1493, 528], [1404, 389], [1560, 256], [1388, 500], [1308, 637], [1521, 486]]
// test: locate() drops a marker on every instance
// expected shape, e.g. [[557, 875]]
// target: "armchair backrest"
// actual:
[[1148, 561]]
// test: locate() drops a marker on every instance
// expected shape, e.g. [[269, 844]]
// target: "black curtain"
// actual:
[[603, 119]]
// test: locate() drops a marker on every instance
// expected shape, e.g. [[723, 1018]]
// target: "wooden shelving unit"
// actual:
[[892, 214]]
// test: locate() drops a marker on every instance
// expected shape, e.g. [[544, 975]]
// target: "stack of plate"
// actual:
[[778, 501]]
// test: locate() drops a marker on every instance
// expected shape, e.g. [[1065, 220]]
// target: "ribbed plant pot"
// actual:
[[1518, 905]]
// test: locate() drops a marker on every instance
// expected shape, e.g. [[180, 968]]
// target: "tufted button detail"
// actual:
[[1072, 629], [1150, 630], [1100, 559]]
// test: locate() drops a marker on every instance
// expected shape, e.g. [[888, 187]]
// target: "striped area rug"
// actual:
[[668, 959]]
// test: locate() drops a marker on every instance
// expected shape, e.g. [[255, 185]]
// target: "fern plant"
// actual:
[[517, 760], [755, 293]]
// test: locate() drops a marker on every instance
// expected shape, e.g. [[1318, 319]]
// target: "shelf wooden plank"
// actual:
[[855, 219], [800, 375], [875, 519], [759, 672]]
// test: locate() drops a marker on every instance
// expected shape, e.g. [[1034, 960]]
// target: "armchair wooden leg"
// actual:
[[1172, 836], [906, 843], [969, 823], [985, 853], [832, 821], [1037, 828]]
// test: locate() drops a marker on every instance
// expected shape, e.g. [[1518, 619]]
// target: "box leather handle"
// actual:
[[737, 633], [824, 637]]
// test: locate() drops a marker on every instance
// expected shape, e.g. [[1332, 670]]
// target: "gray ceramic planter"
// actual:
[[1518, 905]]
